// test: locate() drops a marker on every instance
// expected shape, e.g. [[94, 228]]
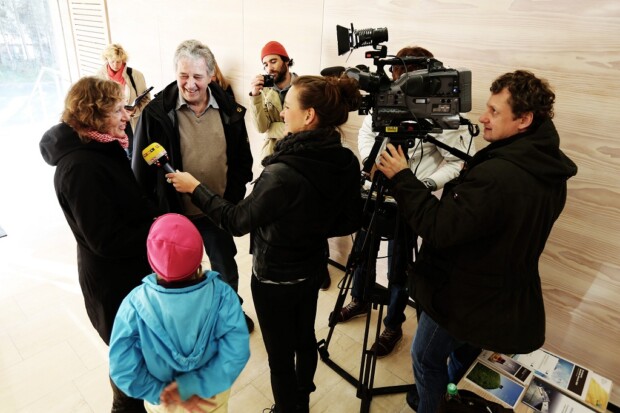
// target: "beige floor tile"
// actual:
[[64, 399], [256, 366], [39, 332], [9, 355], [262, 383], [11, 313], [89, 347], [248, 400], [39, 376], [94, 386]]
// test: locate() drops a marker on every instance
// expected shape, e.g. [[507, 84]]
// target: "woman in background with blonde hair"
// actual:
[[115, 68]]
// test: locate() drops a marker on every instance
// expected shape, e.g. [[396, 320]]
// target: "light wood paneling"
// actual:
[[571, 43]]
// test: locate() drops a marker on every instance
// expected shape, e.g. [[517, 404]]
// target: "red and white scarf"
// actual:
[[105, 138], [117, 76]]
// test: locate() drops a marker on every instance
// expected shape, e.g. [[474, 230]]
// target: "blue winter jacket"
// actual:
[[196, 336]]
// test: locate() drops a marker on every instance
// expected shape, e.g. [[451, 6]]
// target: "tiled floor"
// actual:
[[51, 359]]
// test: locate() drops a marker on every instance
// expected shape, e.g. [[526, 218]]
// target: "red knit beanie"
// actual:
[[174, 247], [273, 47]]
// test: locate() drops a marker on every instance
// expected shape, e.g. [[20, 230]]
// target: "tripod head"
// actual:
[[405, 137]]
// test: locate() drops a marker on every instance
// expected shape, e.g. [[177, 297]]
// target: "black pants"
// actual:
[[121, 403], [286, 315]]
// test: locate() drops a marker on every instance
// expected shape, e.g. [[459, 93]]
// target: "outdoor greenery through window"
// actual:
[[32, 83]]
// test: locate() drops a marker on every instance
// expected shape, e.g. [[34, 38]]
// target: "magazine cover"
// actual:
[[587, 386], [495, 383], [545, 398], [507, 364]]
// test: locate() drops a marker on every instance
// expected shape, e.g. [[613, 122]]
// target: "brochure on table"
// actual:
[[564, 379], [505, 390], [545, 398]]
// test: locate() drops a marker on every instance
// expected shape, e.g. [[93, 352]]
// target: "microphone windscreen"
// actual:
[[153, 152], [332, 71]]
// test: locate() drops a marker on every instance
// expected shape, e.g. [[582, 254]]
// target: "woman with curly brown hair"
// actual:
[[102, 202]]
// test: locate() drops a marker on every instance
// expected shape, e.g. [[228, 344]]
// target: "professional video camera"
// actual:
[[424, 100], [416, 104]]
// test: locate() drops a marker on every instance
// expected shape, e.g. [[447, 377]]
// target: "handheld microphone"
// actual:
[[155, 154]]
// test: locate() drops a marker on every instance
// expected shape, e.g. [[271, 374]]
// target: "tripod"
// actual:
[[365, 248], [364, 251]]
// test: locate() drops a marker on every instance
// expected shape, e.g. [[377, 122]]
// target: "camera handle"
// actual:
[[365, 248]]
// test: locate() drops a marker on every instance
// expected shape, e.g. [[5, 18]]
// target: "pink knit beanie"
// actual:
[[174, 247]]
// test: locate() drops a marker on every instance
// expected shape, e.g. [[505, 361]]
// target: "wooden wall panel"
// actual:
[[573, 44]]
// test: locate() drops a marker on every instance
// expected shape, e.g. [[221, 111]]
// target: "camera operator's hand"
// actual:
[[392, 161], [257, 85]]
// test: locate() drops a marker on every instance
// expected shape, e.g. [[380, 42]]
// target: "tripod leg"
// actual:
[[345, 285], [323, 344], [364, 252], [368, 364]]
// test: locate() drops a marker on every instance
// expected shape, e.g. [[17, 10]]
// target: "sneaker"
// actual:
[[326, 283], [387, 341], [354, 309], [413, 398], [249, 322]]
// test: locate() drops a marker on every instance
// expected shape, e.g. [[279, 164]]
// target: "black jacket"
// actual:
[[109, 215], [158, 123], [309, 191], [477, 273]]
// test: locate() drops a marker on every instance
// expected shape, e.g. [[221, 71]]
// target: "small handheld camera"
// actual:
[[268, 81]]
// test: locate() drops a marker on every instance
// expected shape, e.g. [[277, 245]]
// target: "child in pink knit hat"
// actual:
[[180, 339]]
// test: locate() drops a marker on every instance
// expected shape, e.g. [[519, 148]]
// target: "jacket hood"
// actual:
[[538, 152], [59, 141], [318, 155], [167, 340]]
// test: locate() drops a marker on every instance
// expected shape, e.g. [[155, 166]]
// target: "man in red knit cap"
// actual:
[[266, 100]]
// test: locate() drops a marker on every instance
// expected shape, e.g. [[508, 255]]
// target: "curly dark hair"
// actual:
[[527, 94]]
